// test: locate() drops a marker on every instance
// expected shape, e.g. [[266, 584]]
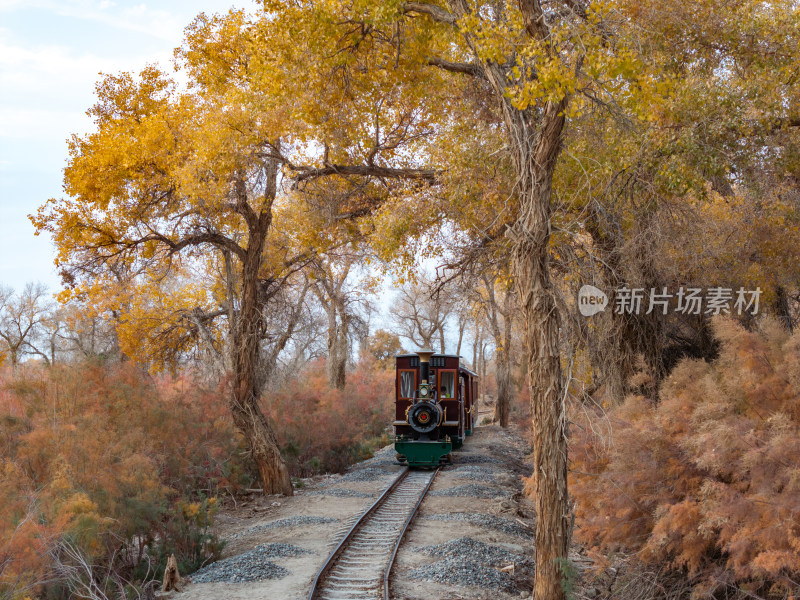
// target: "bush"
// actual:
[[104, 459], [708, 480], [325, 430]]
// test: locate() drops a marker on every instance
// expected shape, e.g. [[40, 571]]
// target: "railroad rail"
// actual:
[[359, 567]]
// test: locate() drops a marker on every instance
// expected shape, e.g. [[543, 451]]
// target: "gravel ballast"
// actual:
[[474, 459], [467, 547], [341, 493], [368, 474], [473, 469], [458, 571], [463, 473], [290, 522], [486, 520], [466, 561], [253, 565], [471, 489]]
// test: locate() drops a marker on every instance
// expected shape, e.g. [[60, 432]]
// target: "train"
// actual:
[[435, 407]]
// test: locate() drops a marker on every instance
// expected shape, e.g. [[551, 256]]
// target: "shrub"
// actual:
[[102, 459], [708, 480], [325, 430]]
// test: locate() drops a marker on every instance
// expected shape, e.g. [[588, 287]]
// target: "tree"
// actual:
[[330, 274], [384, 346], [167, 178], [500, 316], [501, 45], [421, 312], [22, 319], [182, 180]]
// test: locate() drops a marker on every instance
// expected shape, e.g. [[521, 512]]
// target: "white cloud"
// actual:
[[46, 124], [140, 18], [48, 88], [48, 70]]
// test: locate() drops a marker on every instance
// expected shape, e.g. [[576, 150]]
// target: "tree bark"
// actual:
[[502, 343], [246, 413], [338, 347], [782, 309], [332, 295], [530, 236]]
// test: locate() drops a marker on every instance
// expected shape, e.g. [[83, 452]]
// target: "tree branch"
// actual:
[[533, 17], [437, 13], [306, 173], [209, 237], [456, 67]]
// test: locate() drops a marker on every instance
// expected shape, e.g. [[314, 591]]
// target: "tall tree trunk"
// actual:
[[332, 295], [502, 343], [530, 236], [332, 343], [338, 353], [504, 387], [782, 308], [246, 413], [476, 343]]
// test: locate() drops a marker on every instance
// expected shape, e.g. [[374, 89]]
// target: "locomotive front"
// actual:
[[433, 407]]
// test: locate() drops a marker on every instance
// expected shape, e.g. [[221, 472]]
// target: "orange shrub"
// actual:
[[708, 480], [103, 455], [324, 430]]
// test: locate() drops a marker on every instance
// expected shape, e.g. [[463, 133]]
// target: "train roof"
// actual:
[[458, 356], [411, 354]]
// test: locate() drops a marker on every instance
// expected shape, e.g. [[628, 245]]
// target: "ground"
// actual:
[[472, 538]]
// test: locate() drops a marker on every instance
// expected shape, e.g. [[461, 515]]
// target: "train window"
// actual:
[[407, 384], [447, 384]]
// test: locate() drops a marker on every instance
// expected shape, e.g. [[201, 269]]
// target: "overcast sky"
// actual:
[[50, 55]]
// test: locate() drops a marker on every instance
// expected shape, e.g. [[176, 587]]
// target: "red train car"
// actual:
[[435, 407]]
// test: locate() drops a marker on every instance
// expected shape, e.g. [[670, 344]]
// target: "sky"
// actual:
[[51, 54]]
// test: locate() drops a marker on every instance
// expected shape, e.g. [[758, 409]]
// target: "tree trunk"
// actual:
[[530, 236], [338, 348], [782, 309], [504, 388], [333, 334], [476, 343], [338, 353], [246, 413], [461, 328], [502, 344], [329, 288]]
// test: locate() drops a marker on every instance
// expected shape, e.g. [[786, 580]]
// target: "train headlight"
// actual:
[[423, 391]]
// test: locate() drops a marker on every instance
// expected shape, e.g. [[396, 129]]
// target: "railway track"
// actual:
[[359, 567]]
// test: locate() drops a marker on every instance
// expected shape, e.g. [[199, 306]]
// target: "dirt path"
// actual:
[[472, 538]]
